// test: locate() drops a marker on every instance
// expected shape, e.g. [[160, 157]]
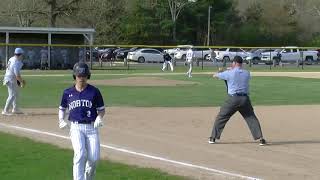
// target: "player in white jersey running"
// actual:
[[11, 80], [189, 59], [86, 110]]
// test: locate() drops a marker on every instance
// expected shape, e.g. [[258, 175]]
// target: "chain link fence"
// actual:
[[117, 57]]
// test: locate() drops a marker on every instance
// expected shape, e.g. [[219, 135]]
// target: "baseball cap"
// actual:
[[18, 51], [238, 59]]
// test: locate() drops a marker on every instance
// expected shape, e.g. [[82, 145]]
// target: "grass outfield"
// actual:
[[46, 91], [39, 161]]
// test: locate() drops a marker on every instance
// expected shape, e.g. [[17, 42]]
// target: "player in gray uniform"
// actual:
[[11, 79], [86, 110]]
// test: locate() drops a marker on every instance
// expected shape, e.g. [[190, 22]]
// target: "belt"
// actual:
[[239, 94], [81, 122]]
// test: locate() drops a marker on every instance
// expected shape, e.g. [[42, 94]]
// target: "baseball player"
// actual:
[[44, 58], [64, 55], [189, 59], [167, 60], [86, 110], [11, 80], [213, 56], [238, 89]]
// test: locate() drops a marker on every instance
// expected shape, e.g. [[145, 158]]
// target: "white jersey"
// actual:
[[13, 69], [189, 55]]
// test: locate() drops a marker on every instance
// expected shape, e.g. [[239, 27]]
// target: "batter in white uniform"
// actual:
[[10, 80]]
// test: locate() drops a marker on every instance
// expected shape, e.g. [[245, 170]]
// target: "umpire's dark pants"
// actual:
[[231, 106]]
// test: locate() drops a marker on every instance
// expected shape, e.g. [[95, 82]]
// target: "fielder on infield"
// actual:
[[10, 80], [189, 59]]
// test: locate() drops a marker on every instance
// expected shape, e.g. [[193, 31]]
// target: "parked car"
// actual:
[[145, 55], [291, 54], [199, 53], [119, 50], [171, 51], [227, 54], [255, 55], [267, 57], [107, 54], [181, 52], [159, 49], [124, 53], [310, 56], [95, 54]]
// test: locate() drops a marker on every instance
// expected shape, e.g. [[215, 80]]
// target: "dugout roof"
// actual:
[[44, 35], [45, 30]]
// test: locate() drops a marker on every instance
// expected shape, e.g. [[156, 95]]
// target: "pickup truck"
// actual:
[[290, 55], [255, 55]]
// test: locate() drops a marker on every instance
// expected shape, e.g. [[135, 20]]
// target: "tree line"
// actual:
[[172, 22]]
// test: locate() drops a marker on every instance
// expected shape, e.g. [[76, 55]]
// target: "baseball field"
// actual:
[[157, 124]]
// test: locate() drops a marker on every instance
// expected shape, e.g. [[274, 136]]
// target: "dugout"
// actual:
[[46, 48]]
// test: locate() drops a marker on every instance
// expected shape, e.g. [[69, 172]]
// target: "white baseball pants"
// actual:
[[190, 69], [86, 146], [13, 93], [165, 63]]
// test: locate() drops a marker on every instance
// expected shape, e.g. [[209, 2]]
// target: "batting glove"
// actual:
[[63, 124], [98, 122]]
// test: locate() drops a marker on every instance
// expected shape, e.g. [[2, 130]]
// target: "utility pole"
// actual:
[[209, 11]]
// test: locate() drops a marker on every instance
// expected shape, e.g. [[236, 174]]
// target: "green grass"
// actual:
[[157, 68], [22, 158], [25, 159], [47, 91]]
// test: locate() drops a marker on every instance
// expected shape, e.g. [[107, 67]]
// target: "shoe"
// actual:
[[263, 142], [17, 111], [6, 113], [211, 140]]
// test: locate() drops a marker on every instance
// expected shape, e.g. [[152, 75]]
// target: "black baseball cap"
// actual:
[[238, 59]]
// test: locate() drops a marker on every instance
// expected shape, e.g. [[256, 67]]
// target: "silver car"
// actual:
[[145, 55]]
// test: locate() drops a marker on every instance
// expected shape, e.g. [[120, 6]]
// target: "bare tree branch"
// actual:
[[175, 8]]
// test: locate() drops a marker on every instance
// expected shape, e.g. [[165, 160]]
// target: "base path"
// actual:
[[175, 140]]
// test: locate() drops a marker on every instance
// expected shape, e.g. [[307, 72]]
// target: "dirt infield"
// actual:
[[175, 139], [180, 134]]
